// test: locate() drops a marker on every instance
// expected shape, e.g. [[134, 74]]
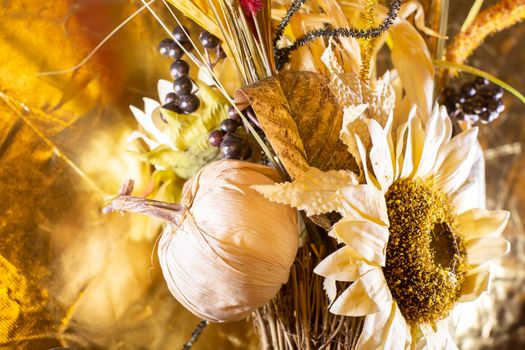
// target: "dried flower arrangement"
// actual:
[[339, 208]]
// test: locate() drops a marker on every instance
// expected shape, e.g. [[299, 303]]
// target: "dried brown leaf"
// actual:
[[301, 119]]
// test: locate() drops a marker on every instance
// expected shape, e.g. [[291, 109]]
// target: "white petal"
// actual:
[[146, 121], [352, 124], [466, 198], [351, 114], [439, 339], [413, 61], [385, 330], [476, 282], [341, 265], [454, 161], [164, 87], [150, 105], [152, 144], [435, 133], [380, 155], [482, 222], [330, 288], [483, 249], [367, 238], [400, 143], [362, 160], [368, 295], [410, 147], [367, 200], [390, 140]]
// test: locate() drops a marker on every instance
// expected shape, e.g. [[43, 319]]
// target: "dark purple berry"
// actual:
[[495, 106], [232, 114], [229, 125], [232, 147], [208, 40], [170, 97], [491, 92], [248, 151], [467, 107], [189, 103], [487, 117], [170, 106], [179, 68], [498, 92], [175, 51], [215, 138], [179, 33], [164, 46], [182, 86], [480, 81], [478, 105], [473, 118], [468, 89]]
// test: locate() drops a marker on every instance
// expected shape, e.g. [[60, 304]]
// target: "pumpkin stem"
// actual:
[[124, 202]]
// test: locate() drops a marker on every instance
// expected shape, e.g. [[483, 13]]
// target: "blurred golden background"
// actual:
[[70, 276]]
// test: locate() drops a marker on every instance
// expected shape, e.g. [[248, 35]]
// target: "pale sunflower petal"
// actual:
[[367, 201], [454, 161], [367, 295], [466, 198], [352, 124], [315, 191], [412, 148], [365, 237], [483, 249], [405, 150], [482, 222], [380, 155], [390, 140], [341, 265], [385, 330], [330, 288], [362, 160], [439, 339], [476, 282], [400, 144], [436, 131]]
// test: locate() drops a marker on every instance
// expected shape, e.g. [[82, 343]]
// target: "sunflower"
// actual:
[[414, 243]]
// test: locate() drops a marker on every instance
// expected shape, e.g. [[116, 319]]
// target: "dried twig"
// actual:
[[494, 19]]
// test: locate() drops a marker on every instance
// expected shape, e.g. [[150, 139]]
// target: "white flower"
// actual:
[[415, 244], [153, 133]]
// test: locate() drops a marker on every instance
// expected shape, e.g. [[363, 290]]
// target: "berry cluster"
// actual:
[[232, 146], [476, 101], [183, 98]]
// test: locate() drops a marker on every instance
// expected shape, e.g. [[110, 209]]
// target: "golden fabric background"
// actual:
[[71, 276], [68, 274]]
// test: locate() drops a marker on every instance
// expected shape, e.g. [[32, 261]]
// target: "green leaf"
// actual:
[[188, 129], [183, 163]]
